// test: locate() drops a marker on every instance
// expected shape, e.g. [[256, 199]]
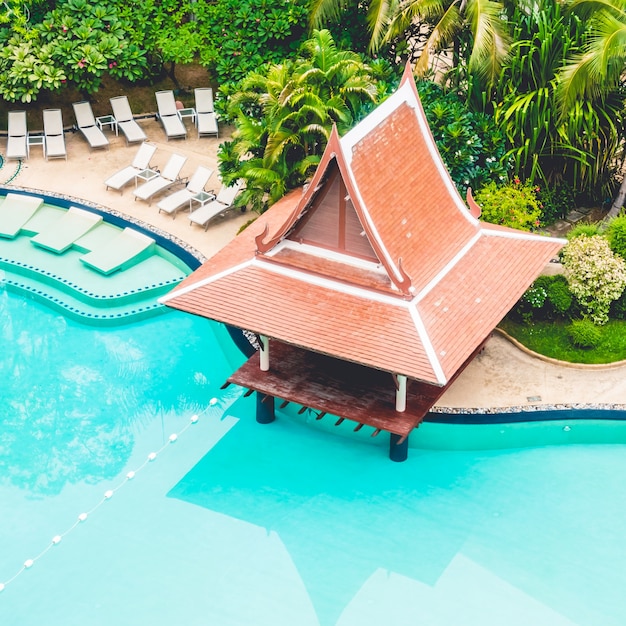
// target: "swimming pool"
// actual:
[[234, 523]]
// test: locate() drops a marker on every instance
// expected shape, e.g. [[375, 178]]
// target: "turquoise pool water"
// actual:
[[236, 524]]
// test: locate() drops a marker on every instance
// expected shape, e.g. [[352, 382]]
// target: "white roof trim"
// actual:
[[448, 267], [374, 119], [521, 235], [201, 283], [324, 253], [428, 346], [328, 283]]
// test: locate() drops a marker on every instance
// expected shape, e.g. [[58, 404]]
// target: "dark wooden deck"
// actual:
[[344, 389]]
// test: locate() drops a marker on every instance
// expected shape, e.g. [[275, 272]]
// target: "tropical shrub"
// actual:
[[596, 276], [558, 298], [583, 230], [548, 298], [584, 333], [239, 36], [513, 204], [559, 295], [616, 234], [535, 296], [77, 43], [470, 144], [556, 199]]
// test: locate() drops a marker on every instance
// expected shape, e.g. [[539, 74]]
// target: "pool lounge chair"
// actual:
[[170, 176], [168, 115], [53, 133], [125, 121], [170, 204], [66, 230], [15, 211], [86, 123], [124, 250], [140, 163], [17, 136], [206, 120], [223, 202]]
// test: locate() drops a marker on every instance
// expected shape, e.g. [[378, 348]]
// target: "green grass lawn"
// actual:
[[551, 339]]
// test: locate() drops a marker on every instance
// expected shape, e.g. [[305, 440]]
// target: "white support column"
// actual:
[[400, 393], [265, 353]]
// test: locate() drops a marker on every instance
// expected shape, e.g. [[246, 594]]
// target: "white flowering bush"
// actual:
[[596, 276]]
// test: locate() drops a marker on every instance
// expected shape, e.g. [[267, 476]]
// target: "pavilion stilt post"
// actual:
[[398, 452], [264, 408]]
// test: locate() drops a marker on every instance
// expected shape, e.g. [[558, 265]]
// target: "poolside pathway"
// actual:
[[501, 376]]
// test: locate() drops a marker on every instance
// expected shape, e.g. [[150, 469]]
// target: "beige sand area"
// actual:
[[501, 376]]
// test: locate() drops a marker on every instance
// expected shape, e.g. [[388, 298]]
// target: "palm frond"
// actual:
[[441, 35], [491, 39]]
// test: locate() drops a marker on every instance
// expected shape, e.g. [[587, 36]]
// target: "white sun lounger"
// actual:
[[168, 115], [53, 133], [222, 203], [15, 211], [127, 248], [66, 230], [170, 176], [125, 121], [86, 123], [127, 174], [17, 136], [170, 204], [206, 120]]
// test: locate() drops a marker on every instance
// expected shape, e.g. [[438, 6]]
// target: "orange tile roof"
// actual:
[[443, 282]]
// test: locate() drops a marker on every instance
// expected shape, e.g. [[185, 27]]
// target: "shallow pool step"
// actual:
[[114, 312], [94, 295]]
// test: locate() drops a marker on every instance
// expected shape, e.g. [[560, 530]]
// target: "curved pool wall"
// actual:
[[114, 300]]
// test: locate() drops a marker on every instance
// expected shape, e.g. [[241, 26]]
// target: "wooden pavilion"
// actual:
[[371, 289]]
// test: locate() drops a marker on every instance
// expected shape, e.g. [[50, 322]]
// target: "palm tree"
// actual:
[[450, 25], [285, 115], [595, 72]]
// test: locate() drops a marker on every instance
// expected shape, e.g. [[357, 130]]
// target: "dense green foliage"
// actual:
[[470, 144], [556, 199], [550, 146], [76, 42], [513, 204], [474, 29]]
